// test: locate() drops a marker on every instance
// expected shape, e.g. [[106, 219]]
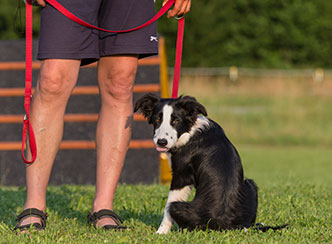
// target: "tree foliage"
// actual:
[[12, 19], [255, 33], [250, 33]]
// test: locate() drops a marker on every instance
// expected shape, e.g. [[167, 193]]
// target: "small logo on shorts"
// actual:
[[153, 38]]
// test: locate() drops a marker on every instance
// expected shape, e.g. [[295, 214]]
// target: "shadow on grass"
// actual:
[[65, 202], [12, 202]]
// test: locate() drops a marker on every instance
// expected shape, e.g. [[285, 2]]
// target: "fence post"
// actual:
[[318, 75], [165, 174], [233, 74]]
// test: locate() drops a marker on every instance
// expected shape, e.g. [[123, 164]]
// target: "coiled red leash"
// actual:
[[28, 72]]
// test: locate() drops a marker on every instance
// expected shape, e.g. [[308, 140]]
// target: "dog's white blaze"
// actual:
[[200, 123], [173, 196], [165, 130]]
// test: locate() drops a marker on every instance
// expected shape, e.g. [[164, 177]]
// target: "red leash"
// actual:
[[178, 58], [28, 73], [28, 84], [76, 19]]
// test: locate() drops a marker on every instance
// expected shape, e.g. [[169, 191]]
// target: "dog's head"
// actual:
[[174, 120]]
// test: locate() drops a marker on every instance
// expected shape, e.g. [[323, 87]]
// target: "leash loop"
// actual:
[[27, 128]]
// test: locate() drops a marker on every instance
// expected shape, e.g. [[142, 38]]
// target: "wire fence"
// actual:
[[318, 75]]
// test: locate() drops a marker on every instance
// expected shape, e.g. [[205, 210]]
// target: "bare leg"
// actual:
[[116, 75], [56, 81]]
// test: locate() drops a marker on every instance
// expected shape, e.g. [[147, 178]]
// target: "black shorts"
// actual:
[[61, 38]]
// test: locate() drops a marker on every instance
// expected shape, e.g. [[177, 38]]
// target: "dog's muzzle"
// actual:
[[161, 145]]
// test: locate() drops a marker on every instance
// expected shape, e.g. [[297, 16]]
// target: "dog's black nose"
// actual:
[[162, 142]]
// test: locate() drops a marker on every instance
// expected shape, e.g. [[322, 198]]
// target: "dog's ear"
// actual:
[[145, 105], [192, 107]]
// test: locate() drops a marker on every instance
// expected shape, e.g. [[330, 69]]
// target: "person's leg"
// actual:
[[116, 75], [56, 81]]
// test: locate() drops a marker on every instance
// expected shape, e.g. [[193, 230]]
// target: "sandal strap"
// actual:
[[104, 213], [24, 227], [33, 212]]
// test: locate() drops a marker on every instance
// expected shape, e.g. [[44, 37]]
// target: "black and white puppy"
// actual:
[[201, 156]]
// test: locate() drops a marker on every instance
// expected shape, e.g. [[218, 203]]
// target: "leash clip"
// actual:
[[33, 2], [178, 17]]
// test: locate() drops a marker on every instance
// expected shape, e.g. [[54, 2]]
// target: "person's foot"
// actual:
[[31, 217], [105, 219], [27, 222]]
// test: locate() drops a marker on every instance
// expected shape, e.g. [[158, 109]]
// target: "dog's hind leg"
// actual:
[[251, 204], [185, 215]]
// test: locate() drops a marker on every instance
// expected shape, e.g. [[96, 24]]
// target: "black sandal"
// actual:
[[105, 213], [31, 212]]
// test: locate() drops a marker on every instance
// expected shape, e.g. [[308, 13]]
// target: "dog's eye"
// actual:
[[157, 120], [175, 121]]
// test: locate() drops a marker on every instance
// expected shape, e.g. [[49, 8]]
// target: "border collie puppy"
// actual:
[[201, 156]]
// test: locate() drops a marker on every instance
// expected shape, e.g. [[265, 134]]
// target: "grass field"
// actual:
[[264, 112], [283, 132], [305, 207]]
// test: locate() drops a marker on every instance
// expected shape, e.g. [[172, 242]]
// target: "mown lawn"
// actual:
[[294, 189], [285, 141], [262, 113]]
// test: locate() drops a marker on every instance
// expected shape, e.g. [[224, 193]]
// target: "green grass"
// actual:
[[294, 188], [283, 134], [273, 165], [268, 120], [276, 113], [307, 208]]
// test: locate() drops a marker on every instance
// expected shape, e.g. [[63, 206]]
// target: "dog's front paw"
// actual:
[[163, 229]]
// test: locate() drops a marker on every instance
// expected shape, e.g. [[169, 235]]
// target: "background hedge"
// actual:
[[247, 33]]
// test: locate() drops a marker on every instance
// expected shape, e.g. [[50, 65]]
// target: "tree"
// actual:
[[247, 33]]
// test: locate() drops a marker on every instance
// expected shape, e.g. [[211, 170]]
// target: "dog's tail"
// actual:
[[264, 228]]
